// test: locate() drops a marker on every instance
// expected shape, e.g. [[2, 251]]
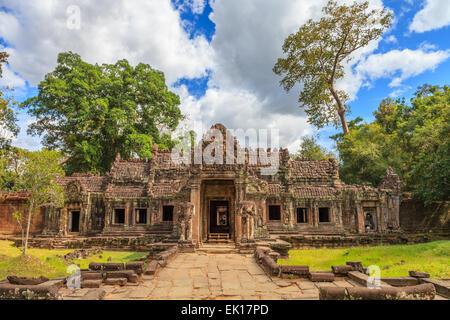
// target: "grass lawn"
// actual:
[[43, 262], [394, 261]]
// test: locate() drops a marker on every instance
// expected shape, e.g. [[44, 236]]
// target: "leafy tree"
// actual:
[[8, 120], [92, 112], [3, 59], [11, 160], [427, 133], [20, 219], [365, 153], [37, 176], [8, 125], [310, 149], [412, 139], [316, 55]]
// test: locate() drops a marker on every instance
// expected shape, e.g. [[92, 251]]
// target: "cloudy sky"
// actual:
[[218, 55]]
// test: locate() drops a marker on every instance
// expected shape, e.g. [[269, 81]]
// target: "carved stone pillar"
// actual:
[[196, 213], [62, 228], [359, 217]]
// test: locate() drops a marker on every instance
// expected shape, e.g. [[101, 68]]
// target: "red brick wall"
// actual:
[[9, 225]]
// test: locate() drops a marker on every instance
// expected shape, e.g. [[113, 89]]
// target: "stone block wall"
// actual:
[[416, 217], [8, 224]]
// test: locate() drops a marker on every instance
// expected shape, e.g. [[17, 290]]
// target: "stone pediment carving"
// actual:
[[73, 191], [255, 185]]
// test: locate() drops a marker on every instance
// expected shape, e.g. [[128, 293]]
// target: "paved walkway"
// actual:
[[217, 276], [200, 276]]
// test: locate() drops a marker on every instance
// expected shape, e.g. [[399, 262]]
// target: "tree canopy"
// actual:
[[92, 112], [317, 53], [412, 139], [310, 149], [8, 120], [3, 59], [37, 175]]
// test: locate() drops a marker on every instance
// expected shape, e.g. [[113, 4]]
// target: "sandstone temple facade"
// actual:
[[196, 203]]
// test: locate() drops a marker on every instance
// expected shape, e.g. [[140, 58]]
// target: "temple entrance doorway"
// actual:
[[75, 221], [217, 207], [219, 220]]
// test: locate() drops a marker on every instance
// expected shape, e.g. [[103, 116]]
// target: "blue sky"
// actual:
[[218, 55]]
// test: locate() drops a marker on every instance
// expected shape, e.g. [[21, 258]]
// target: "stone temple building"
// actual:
[[200, 202]]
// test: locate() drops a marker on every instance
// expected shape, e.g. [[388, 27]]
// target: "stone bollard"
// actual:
[[356, 265], [419, 292], [273, 267], [296, 270], [321, 277], [341, 270], [419, 275]]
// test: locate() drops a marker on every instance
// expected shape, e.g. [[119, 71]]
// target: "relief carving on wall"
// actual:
[[73, 192], [247, 211], [256, 185], [185, 214]]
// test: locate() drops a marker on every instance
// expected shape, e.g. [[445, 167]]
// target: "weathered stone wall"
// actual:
[[9, 225], [416, 217]]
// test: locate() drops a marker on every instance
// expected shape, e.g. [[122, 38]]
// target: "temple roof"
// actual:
[[161, 176]]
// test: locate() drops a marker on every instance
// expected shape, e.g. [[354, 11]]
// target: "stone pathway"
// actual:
[[217, 276], [200, 276]]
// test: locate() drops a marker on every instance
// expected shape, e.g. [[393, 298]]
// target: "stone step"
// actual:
[[217, 250], [224, 248]]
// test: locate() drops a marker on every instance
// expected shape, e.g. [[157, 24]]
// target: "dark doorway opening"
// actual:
[[119, 216], [219, 217], [324, 215], [75, 223], [302, 215], [167, 213], [275, 213], [141, 216]]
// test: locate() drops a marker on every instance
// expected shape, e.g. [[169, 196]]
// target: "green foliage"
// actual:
[[37, 174], [413, 140], [8, 126], [316, 55], [393, 260], [92, 112], [3, 59], [45, 262], [310, 149], [11, 159]]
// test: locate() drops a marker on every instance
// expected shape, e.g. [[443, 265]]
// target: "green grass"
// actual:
[[44, 262], [394, 261]]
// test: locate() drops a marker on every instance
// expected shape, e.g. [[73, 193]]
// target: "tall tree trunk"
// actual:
[[343, 121], [340, 110], [30, 212]]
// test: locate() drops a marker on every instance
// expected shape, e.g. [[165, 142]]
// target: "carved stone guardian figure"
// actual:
[[186, 210], [247, 211]]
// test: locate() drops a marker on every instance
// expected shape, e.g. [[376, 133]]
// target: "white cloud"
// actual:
[[243, 92], [391, 39], [139, 30], [10, 79], [198, 6], [434, 15], [400, 64], [195, 6]]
